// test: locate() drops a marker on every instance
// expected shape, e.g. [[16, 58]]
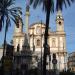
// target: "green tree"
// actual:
[[8, 13], [48, 7]]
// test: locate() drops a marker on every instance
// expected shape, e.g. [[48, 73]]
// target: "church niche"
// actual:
[[53, 42], [38, 42]]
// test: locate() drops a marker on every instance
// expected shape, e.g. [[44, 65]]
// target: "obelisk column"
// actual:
[[27, 21]]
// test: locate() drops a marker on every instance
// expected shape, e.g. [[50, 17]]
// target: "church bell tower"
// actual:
[[59, 21], [19, 26], [18, 34]]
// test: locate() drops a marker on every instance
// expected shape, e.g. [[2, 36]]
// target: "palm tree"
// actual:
[[48, 7], [6, 15]]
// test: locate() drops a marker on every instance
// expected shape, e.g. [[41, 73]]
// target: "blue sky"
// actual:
[[38, 14]]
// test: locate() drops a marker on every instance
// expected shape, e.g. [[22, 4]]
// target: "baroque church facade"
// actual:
[[35, 34]]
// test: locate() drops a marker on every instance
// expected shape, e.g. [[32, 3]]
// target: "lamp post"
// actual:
[[41, 47], [49, 62], [54, 61]]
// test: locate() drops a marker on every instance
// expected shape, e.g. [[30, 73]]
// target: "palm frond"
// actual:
[[10, 2], [52, 6], [50, 3], [1, 5], [61, 3], [13, 19], [40, 2], [16, 10], [35, 3], [69, 3], [72, 0], [1, 22], [31, 1], [65, 4], [16, 18], [8, 22]]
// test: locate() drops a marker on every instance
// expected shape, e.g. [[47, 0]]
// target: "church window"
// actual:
[[53, 42], [38, 29], [38, 42]]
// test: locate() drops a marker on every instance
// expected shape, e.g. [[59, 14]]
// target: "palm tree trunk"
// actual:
[[4, 50], [45, 43], [4, 43]]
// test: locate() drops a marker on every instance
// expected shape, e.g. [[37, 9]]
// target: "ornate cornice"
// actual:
[[19, 35], [36, 24]]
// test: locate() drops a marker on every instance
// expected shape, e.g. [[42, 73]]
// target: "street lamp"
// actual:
[[54, 61], [49, 62]]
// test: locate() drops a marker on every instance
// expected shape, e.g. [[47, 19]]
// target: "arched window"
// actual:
[[38, 42]]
